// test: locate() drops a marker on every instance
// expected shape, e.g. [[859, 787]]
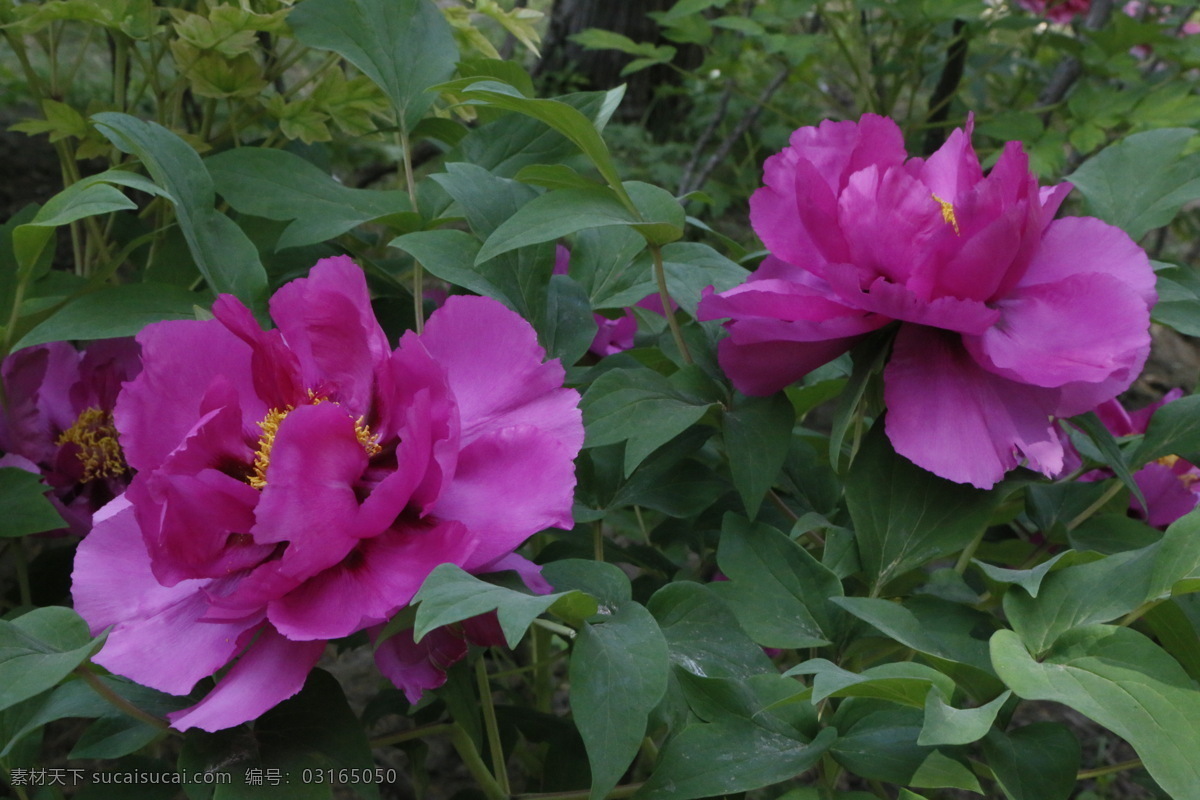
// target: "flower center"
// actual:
[[269, 425], [948, 213], [96, 439]]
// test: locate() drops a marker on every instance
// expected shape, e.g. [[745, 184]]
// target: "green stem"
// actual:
[[598, 541], [1084, 774], [416, 733], [660, 277], [1136, 614], [499, 768], [964, 559], [118, 702], [418, 270], [471, 759], [543, 690], [1096, 506], [554, 627]]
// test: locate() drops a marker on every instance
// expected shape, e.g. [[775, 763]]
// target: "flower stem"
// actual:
[[1084, 774], [418, 270], [118, 702], [415, 733], [554, 627], [499, 768], [598, 541], [964, 560], [660, 277], [1096, 506], [470, 756]]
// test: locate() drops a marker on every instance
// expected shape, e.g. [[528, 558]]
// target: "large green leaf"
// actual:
[[602, 260], [703, 635], [904, 682], [39, 649], [279, 185], [1123, 681], [618, 674], [1174, 429], [1037, 762], [451, 595], [224, 255], [26, 507], [404, 46], [945, 724], [643, 409], [1141, 182], [757, 433], [904, 516], [691, 267], [115, 311], [1100, 591], [778, 592], [1178, 303]]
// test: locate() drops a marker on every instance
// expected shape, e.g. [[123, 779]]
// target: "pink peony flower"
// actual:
[[298, 485], [57, 421], [1008, 317], [1060, 11], [1170, 484]]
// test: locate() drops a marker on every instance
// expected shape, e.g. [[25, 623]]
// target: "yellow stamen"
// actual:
[[99, 452], [270, 427], [948, 213], [1168, 461]]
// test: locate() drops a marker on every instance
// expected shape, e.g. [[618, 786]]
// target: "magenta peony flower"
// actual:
[[298, 485], [1170, 484], [1060, 11], [57, 421], [1008, 318]]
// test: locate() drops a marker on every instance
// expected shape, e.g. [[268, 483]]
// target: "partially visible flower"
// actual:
[[1170, 484], [57, 421], [1060, 11], [298, 485], [612, 335], [1008, 318]]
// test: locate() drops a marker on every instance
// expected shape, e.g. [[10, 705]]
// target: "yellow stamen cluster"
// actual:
[[948, 213], [1168, 461], [270, 426], [96, 437]]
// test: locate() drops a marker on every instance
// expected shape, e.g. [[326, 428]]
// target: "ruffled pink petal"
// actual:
[[1083, 328], [949, 416], [416, 667], [270, 671], [104, 366], [953, 170], [275, 368], [614, 335], [510, 484], [1116, 418], [328, 323], [764, 367], [1168, 495], [372, 583], [180, 358], [38, 406], [309, 500], [494, 368], [896, 301], [157, 637], [1085, 245]]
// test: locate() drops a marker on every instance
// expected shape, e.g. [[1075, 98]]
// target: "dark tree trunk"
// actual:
[[567, 66]]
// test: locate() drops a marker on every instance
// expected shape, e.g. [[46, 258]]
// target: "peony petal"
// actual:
[[270, 671], [896, 301], [1082, 328], [328, 323], [949, 416], [494, 368], [1085, 245], [415, 667], [953, 170], [380, 576], [180, 359], [275, 368], [762, 368], [510, 484], [1168, 494]]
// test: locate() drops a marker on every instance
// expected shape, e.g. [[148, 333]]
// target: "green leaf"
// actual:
[[1174, 429], [757, 433], [567, 328], [451, 595], [606, 582], [618, 674], [1028, 579], [602, 260], [945, 724], [1177, 634], [26, 507], [39, 649], [642, 408], [279, 185], [1123, 681], [226, 258], [1141, 182], [692, 267], [778, 592], [65, 207], [556, 214], [1178, 303], [904, 516], [879, 741], [903, 682], [928, 625], [729, 756], [702, 634], [404, 46], [563, 118], [115, 311], [1090, 424], [1036, 762], [1104, 590]]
